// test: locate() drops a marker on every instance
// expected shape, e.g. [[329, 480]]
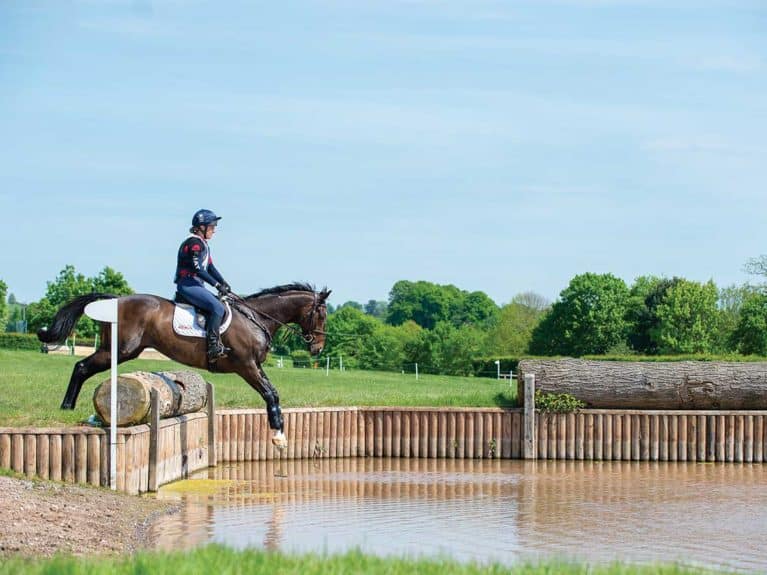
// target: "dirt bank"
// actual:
[[42, 518]]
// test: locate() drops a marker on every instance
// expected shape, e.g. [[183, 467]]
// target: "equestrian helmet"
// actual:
[[204, 218]]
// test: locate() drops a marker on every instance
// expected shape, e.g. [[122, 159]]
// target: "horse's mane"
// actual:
[[276, 290]]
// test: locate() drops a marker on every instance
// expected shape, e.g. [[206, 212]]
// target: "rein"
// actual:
[[239, 303]]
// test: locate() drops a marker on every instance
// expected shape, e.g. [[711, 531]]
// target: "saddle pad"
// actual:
[[189, 322]]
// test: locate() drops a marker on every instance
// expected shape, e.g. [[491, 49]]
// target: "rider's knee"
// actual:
[[217, 310]]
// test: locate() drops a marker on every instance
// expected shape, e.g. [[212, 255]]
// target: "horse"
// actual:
[[146, 321]]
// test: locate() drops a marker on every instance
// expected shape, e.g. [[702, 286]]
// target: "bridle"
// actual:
[[308, 338]]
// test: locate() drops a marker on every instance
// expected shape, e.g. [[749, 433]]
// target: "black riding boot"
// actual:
[[216, 349]]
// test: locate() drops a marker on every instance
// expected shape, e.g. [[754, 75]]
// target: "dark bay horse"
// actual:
[[146, 321]]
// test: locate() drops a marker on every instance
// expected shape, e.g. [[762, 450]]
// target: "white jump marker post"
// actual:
[[105, 310]]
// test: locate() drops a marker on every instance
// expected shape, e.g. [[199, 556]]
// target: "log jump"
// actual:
[[179, 393], [693, 385]]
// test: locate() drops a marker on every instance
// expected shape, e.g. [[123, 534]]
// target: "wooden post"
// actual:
[[42, 456], [30, 455], [529, 432], [154, 436], [94, 459], [212, 461], [588, 440], [611, 436]]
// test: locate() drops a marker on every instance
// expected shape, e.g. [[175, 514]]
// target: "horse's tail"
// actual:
[[67, 316]]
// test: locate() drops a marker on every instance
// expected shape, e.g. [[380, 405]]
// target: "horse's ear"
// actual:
[[324, 294]]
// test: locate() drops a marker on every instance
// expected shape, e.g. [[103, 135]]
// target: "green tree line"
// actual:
[[444, 329], [68, 285]]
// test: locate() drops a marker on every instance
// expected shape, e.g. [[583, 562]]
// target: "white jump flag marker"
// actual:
[[105, 310]]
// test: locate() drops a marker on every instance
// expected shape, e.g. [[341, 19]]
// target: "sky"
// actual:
[[496, 146]]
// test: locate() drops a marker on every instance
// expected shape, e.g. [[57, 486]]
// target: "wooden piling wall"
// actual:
[[477, 433], [81, 454]]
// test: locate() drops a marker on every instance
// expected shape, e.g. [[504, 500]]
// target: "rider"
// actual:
[[195, 266]]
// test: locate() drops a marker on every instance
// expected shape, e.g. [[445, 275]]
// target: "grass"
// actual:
[[32, 386], [223, 560]]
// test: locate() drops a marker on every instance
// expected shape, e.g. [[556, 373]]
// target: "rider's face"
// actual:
[[209, 231]]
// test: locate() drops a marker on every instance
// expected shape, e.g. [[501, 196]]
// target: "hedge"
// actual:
[[20, 341], [301, 358]]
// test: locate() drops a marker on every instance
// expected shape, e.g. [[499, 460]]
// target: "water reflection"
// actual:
[[480, 509]]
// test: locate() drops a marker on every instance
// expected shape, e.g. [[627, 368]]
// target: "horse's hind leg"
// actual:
[[91, 365], [83, 369]]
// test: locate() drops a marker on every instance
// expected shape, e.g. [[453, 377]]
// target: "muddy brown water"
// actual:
[[713, 515]]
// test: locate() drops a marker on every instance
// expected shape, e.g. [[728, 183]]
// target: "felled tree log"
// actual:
[[179, 393], [652, 385]]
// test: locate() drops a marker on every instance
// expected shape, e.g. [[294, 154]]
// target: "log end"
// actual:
[[132, 400]]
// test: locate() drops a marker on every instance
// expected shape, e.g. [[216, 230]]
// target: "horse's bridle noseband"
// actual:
[[309, 338]]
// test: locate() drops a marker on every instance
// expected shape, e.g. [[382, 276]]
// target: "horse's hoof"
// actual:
[[279, 440]]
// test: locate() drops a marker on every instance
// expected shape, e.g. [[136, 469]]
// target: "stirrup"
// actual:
[[220, 352]]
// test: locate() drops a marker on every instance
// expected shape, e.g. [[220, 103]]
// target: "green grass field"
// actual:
[[32, 386], [222, 560]]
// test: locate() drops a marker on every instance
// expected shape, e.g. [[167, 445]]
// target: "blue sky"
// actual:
[[497, 146]]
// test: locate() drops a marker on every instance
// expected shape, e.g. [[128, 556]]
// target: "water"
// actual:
[[705, 514]]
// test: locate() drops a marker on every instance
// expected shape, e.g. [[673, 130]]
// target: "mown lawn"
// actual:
[[222, 560], [32, 385]]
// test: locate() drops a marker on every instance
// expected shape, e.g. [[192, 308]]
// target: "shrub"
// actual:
[[557, 402], [20, 341], [301, 358]]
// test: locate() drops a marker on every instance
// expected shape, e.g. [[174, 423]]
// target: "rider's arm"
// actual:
[[213, 271], [196, 251]]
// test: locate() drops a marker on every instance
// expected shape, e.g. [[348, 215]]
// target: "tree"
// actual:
[[346, 329], [532, 300], [286, 341], [376, 309], [352, 304], [427, 304], [3, 305], [750, 334], [475, 308], [459, 347], [68, 285], [423, 302], [40, 314], [757, 266], [589, 317], [511, 332], [446, 349], [15, 320], [687, 317], [385, 348], [730, 304], [644, 296], [111, 281]]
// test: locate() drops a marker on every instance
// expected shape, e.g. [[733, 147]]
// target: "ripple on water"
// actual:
[[713, 515]]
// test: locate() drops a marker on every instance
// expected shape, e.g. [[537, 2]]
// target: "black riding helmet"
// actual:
[[204, 218]]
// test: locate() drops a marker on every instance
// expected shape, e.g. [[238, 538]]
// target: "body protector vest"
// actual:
[[194, 262]]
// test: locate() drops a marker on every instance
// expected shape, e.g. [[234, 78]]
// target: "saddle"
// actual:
[[190, 321]]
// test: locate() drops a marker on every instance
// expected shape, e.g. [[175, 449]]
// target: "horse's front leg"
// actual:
[[258, 380], [274, 412]]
